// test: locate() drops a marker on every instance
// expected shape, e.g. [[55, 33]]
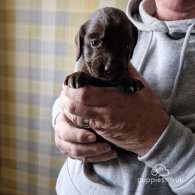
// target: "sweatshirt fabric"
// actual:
[[165, 56]]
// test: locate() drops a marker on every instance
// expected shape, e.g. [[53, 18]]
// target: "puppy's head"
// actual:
[[106, 42]]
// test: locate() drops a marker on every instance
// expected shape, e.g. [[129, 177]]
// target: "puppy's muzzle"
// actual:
[[104, 69]]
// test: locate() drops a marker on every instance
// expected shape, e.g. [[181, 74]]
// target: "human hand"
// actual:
[[79, 143], [133, 122]]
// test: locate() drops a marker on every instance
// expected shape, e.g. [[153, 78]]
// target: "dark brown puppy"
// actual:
[[105, 45]]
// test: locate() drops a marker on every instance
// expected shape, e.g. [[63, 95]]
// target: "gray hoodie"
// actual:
[[165, 56]]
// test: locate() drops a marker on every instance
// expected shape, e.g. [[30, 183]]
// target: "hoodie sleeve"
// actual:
[[55, 112], [173, 157]]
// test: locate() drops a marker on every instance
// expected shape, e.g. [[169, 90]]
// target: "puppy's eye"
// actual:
[[95, 43]]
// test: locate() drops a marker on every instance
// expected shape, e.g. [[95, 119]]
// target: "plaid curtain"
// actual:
[[36, 52]]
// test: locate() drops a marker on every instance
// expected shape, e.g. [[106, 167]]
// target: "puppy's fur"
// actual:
[[105, 45]]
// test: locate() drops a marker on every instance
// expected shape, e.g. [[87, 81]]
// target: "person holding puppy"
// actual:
[[156, 124]]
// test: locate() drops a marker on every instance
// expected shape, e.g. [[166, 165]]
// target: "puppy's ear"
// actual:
[[134, 39], [79, 40]]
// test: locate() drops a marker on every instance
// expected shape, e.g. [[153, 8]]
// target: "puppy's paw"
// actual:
[[136, 85], [131, 86], [77, 80]]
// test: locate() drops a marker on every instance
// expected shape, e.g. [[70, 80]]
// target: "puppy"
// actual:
[[105, 45]]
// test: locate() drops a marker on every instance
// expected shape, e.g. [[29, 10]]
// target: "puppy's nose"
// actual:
[[108, 70]]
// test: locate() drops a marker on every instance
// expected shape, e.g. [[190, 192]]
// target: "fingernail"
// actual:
[[91, 138], [114, 154]]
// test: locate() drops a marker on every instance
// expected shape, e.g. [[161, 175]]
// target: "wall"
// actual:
[[37, 50]]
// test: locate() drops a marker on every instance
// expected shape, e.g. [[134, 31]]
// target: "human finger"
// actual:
[[68, 105], [85, 121], [77, 151], [91, 96], [102, 157], [69, 133]]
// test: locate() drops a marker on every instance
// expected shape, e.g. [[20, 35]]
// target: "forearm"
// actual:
[[175, 150]]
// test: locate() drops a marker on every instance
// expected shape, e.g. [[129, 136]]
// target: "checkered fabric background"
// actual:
[[37, 50]]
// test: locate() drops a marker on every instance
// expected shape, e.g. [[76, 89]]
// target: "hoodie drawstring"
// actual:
[[141, 66], [181, 64]]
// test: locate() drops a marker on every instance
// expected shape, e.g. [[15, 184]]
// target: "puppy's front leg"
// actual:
[[82, 79], [129, 85], [77, 80]]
